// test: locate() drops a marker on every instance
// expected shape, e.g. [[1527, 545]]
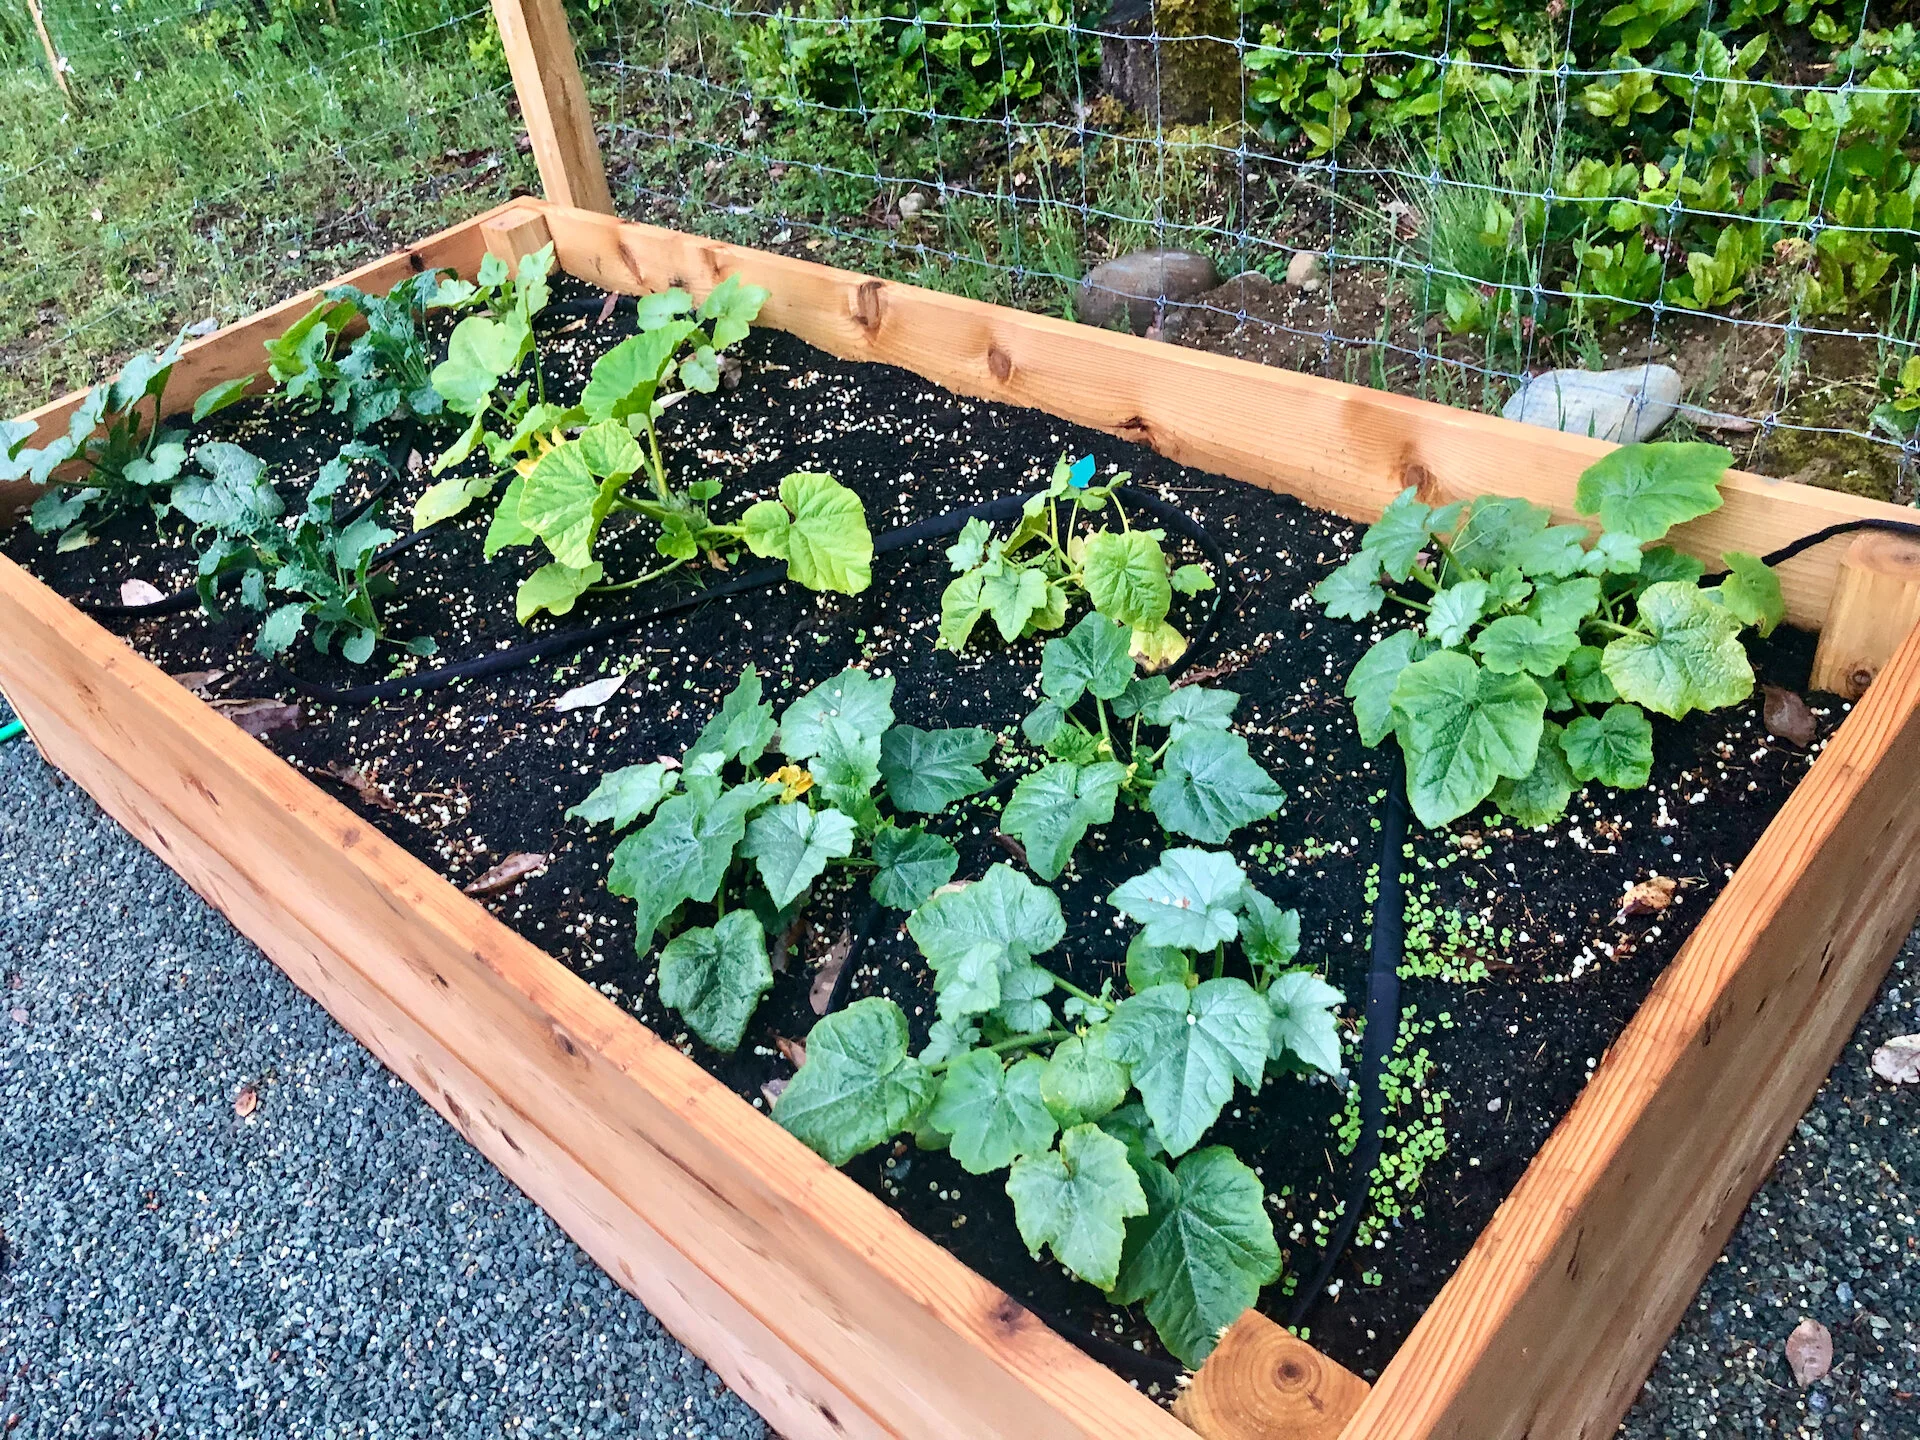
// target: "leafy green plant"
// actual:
[[1521, 620], [1095, 1113], [726, 823], [1030, 579], [1198, 781]]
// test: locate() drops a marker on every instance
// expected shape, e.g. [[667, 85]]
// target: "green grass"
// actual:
[[211, 163]]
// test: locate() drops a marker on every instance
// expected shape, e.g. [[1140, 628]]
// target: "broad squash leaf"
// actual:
[[682, 854], [1091, 656], [715, 977], [1615, 748], [1353, 592], [741, 729], [1370, 685], [1191, 900], [993, 1114], [974, 936], [1076, 1201], [1081, 1080], [1520, 645], [1540, 796], [927, 770], [623, 796], [1187, 1047], [819, 527], [1751, 592], [1210, 786], [859, 1087], [1304, 1031], [1689, 657], [1126, 578], [791, 845], [1645, 490], [860, 699], [909, 865], [554, 588], [1462, 728], [1052, 809]]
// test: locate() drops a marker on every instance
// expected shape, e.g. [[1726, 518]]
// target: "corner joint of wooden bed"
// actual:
[[1263, 1383], [1875, 604], [515, 233]]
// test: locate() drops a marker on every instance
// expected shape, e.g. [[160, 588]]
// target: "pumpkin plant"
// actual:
[[1095, 1112], [1538, 649]]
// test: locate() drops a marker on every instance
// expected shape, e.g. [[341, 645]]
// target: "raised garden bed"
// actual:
[[809, 1294]]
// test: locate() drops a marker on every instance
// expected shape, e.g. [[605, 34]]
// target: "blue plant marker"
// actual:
[[1081, 473]]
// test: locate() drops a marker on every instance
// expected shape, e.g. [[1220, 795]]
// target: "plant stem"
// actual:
[[1219, 960], [1079, 994], [1612, 628], [1411, 604], [1000, 1047], [638, 580]]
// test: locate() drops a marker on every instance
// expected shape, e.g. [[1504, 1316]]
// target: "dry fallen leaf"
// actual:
[[508, 873], [1648, 897], [592, 695], [246, 1101], [1012, 846], [1809, 1352], [783, 944], [1898, 1061], [1786, 716], [831, 965], [18, 1016], [606, 308], [140, 592], [261, 717], [794, 1050], [356, 779], [198, 681], [772, 1090]]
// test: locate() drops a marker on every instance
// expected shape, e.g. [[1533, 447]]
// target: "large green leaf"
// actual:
[[1540, 796], [480, 352], [732, 306], [973, 936], [1521, 645], [1210, 786], [1187, 1047], [555, 588], [625, 379], [1191, 900], [1304, 1031], [715, 977], [1688, 658], [1076, 1200], [1091, 656], [927, 770], [1149, 965], [1566, 604], [1401, 533], [1191, 707], [1498, 532], [1751, 591], [505, 528], [682, 853], [791, 846], [819, 527], [1353, 592], [1203, 1251], [909, 865], [1456, 610], [1126, 577], [1269, 935], [564, 502], [1082, 1081], [1370, 685], [623, 796], [1052, 809], [1586, 678], [741, 729], [859, 1086], [857, 698], [993, 1114], [847, 769], [1462, 728], [1615, 748], [1645, 490], [233, 496], [1552, 553]]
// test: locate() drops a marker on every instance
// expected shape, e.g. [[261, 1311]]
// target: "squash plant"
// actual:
[[1199, 780], [1538, 649], [1095, 1112], [1028, 580], [588, 456], [728, 825]]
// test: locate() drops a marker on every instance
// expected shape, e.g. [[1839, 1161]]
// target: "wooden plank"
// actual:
[[1875, 603], [1335, 446], [553, 102], [833, 1297], [1263, 1383], [1552, 1322], [235, 350], [515, 232]]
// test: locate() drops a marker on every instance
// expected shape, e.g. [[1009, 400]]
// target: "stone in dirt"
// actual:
[[1138, 285], [1898, 1061], [1622, 405], [1809, 1352], [1306, 269]]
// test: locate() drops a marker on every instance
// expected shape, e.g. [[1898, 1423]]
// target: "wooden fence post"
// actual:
[[553, 101], [54, 62], [1261, 1383], [1876, 601]]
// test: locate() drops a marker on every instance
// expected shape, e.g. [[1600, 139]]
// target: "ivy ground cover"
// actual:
[[1523, 959]]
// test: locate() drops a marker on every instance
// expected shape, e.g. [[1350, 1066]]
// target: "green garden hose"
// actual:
[[12, 730]]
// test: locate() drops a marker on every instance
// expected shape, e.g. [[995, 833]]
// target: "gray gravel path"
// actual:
[[339, 1263]]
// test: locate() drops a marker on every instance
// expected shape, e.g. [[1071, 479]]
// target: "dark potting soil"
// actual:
[[1521, 968]]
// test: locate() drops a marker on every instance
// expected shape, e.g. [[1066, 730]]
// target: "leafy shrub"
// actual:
[[1524, 619]]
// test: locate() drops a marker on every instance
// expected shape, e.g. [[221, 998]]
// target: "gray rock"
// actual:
[[1142, 283], [1622, 405]]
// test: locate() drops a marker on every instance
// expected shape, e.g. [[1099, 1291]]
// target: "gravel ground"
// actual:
[[338, 1263]]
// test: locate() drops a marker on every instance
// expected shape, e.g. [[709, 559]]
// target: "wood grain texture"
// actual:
[[515, 232], [1335, 446], [553, 102], [235, 350], [1264, 1383], [819, 1301], [1876, 601], [1553, 1320]]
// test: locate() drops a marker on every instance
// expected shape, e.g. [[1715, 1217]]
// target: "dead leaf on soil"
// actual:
[[416, 464], [828, 976], [772, 1091], [668, 762], [1809, 1352], [1898, 1061], [794, 1050], [246, 1101], [357, 779], [591, 696], [1648, 897], [1786, 716], [199, 681], [1012, 846], [783, 944], [606, 306], [261, 717], [508, 873], [140, 592]]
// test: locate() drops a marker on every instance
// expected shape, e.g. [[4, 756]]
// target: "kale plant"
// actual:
[[588, 456], [1198, 780], [1094, 1112], [1029, 580], [1521, 620], [732, 830]]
